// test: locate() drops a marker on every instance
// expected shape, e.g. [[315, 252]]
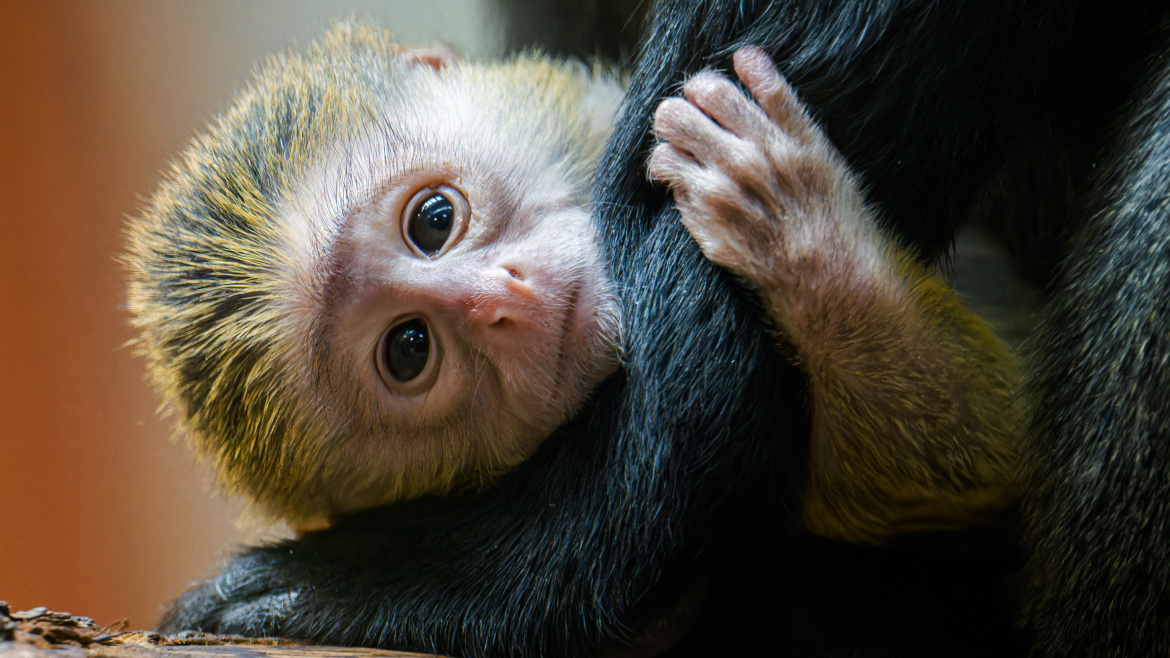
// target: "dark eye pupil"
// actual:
[[406, 351], [430, 223]]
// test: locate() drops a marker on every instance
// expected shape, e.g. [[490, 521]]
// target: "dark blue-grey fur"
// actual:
[[1098, 582], [684, 471]]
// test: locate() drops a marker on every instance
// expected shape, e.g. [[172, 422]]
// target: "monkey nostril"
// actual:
[[517, 285], [506, 302]]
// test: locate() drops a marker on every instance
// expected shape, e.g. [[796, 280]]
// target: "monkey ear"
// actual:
[[438, 58], [314, 524]]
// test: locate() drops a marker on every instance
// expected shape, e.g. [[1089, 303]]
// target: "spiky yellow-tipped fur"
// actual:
[[216, 270]]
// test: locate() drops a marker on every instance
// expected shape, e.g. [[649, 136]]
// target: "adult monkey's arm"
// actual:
[[559, 558]]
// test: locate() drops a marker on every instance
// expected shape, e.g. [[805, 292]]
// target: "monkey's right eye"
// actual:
[[435, 219], [404, 350]]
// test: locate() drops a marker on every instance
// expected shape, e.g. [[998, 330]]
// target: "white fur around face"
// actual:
[[519, 307]]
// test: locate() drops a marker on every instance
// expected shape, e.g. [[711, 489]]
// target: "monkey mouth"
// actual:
[[565, 343]]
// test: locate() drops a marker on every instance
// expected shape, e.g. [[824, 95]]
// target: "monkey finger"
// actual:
[[705, 188], [722, 187], [729, 229], [685, 126], [686, 178], [756, 69], [670, 165], [712, 197], [714, 244], [719, 98]]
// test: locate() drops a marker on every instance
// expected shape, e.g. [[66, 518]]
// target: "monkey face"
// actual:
[[466, 305], [482, 302], [373, 279]]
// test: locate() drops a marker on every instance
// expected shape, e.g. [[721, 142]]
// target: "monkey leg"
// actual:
[[913, 424]]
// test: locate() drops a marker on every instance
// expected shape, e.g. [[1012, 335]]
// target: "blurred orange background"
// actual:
[[101, 515]]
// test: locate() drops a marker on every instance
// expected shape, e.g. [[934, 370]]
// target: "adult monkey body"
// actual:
[[600, 528]]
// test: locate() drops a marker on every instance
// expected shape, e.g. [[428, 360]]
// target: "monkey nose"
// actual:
[[518, 285], [507, 300]]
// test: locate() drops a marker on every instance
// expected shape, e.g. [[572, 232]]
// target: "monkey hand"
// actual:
[[248, 599], [761, 189], [913, 426]]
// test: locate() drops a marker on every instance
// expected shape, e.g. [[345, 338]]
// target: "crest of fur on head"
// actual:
[[227, 284]]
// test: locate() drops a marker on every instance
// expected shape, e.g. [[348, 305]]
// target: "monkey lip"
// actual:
[[568, 326]]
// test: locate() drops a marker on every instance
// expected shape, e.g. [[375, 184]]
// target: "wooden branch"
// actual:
[[41, 633]]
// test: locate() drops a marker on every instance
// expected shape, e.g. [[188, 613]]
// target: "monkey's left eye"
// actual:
[[435, 219], [404, 351]]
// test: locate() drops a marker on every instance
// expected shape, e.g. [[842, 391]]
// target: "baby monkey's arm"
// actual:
[[913, 423]]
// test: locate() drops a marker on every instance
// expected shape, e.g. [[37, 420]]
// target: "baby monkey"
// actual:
[[377, 277]]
